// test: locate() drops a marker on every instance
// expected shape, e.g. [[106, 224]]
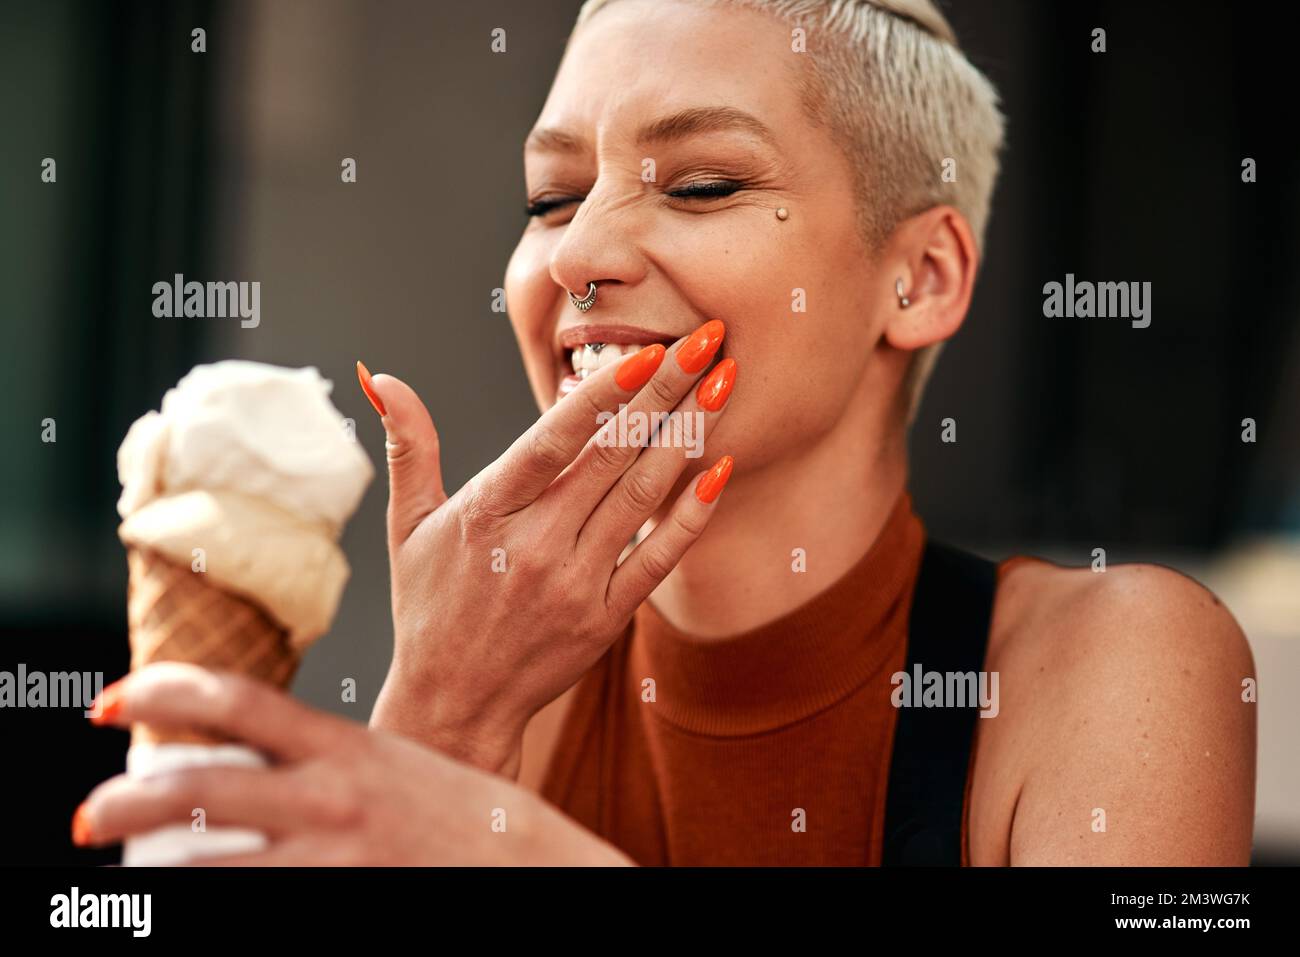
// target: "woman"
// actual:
[[795, 191]]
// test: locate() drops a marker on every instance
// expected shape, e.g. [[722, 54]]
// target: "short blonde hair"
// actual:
[[900, 98]]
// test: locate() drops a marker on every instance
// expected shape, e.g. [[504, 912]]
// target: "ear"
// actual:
[[934, 254]]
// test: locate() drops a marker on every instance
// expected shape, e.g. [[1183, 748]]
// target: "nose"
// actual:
[[600, 242]]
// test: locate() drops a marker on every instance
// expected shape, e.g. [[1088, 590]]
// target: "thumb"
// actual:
[[414, 461]]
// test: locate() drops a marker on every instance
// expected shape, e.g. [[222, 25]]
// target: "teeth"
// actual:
[[586, 359]]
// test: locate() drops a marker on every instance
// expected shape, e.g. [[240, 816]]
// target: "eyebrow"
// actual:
[[689, 122]]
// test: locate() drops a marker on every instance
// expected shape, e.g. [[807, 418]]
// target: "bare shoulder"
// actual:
[[1124, 615], [1127, 722]]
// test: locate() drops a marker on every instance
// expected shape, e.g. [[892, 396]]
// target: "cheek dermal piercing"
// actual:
[[782, 213]]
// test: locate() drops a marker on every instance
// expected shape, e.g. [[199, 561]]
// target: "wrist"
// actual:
[[416, 707]]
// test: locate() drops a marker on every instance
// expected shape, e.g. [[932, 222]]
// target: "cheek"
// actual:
[[796, 326], [530, 302], [795, 382], [529, 290]]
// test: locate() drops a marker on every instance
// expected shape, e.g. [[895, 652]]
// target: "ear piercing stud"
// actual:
[[898, 288]]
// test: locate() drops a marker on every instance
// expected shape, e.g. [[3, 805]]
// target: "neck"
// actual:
[[830, 500]]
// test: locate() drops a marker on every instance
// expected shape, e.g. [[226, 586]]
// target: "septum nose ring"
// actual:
[[587, 301]]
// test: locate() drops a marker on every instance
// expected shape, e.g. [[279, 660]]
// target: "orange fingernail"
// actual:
[[363, 376], [636, 370], [711, 483], [713, 391], [697, 350], [108, 705], [81, 826]]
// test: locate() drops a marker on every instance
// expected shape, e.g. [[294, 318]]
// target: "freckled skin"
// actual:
[[1076, 650]]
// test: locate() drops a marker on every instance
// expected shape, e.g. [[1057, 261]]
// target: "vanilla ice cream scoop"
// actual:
[[263, 430], [248, 473]]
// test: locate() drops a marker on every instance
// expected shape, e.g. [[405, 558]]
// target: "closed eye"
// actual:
[[713, 189], [706, 190], [543, 206]]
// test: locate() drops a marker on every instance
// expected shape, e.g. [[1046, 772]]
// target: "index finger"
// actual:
[[536, 458], [172, 694]]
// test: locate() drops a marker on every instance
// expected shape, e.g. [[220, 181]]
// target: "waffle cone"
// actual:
[[175, 614]]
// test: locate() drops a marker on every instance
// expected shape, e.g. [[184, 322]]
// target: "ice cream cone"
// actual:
[[175, 614], [251, 467]]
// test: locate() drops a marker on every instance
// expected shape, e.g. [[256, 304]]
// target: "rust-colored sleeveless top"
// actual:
[[768, 747]]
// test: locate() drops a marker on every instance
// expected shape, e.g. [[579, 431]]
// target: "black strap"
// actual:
[[948, 633]]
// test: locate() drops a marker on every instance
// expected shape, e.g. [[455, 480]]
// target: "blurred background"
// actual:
[[225, 165]]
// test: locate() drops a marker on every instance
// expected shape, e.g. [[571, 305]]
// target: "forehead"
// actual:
[[637, 60]]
